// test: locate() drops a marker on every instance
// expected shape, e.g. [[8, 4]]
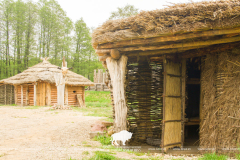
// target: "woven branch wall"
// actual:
[[220, 128], [144, 89], [7, 94]]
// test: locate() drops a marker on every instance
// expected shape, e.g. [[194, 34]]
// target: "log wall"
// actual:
[[72, 94], [53, 94], [19, 95], [7, 94]]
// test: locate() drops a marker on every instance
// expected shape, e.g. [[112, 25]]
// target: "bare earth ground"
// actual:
[[27, 134]]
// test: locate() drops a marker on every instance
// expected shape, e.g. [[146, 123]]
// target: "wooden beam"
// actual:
[[160, 39], [21, 95], [35, 94], [102, 52], [159, 52], [197, 44]]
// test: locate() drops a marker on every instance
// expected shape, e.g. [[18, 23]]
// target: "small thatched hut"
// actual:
[[175, 74], [36, 86]]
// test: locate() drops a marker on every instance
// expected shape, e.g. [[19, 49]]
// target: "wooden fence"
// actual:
[[99, 79], [7, 94]]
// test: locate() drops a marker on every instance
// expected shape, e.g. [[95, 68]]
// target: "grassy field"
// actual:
[[98, 103]]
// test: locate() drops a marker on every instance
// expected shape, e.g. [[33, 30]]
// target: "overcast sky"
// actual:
[[95, 12]]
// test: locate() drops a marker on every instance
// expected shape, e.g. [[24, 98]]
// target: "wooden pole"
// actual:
[[21, 95], [184, 68], [5, 98], [27, 95], [49, 94], [66, 95], [35, 94], [15, 94], [117, 70]]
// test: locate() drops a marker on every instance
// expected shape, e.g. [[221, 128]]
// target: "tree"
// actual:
[[124, 12]]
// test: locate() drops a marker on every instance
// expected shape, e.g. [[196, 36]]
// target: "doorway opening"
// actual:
[[192, 114]]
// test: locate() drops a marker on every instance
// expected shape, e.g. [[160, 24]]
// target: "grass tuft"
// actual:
[[100, 155], [104, 140], [85, 153], [213, 156]]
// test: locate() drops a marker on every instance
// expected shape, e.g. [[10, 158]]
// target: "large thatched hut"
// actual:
[[175, 74], [37, 86]]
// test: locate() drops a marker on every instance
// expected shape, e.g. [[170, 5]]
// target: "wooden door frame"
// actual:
[[183, 96]]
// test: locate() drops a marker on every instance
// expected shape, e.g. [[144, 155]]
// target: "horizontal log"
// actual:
[[190, 45], [160, 39], [102, 52]]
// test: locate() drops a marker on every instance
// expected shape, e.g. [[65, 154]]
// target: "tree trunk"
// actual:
[[117, 70]]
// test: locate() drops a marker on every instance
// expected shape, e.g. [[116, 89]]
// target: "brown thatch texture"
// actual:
[[178, 18], [45, 71], [220, 128]]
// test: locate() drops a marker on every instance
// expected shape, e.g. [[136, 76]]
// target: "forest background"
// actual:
[[32, 30]]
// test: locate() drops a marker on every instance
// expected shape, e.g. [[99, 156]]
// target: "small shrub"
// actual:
[[213, 156], [104, 140]]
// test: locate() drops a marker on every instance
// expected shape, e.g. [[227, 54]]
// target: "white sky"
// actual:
[[95, 12]]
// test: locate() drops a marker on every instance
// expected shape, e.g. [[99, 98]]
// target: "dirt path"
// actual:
[[44, 134]]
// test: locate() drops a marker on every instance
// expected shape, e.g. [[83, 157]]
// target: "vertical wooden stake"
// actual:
[[21, 95], [5, 94], [27, 97], [35, 94], [66, 95], [184, 68], [15, 94]]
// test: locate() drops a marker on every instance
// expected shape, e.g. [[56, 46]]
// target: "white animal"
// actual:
[[122, 136]]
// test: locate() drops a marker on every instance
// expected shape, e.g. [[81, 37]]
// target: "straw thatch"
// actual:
[[180, 18], [45, 71], [220, 128]]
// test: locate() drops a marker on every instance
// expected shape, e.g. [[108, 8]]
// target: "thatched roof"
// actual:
[[204, 19], [45, 71]]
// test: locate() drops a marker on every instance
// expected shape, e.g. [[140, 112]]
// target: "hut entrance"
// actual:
[[192, 102]]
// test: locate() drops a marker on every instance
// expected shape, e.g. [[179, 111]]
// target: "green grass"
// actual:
[[102, 97], [213, 156], [98, 104], [100, 155], [104, 140]]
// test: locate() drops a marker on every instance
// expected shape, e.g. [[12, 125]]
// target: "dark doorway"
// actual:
[[192, 102]]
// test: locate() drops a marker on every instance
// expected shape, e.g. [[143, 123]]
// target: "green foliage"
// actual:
[[238, 156], [30, 31], [100, 155], [124, 12], [213, 156], [104, 140]]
